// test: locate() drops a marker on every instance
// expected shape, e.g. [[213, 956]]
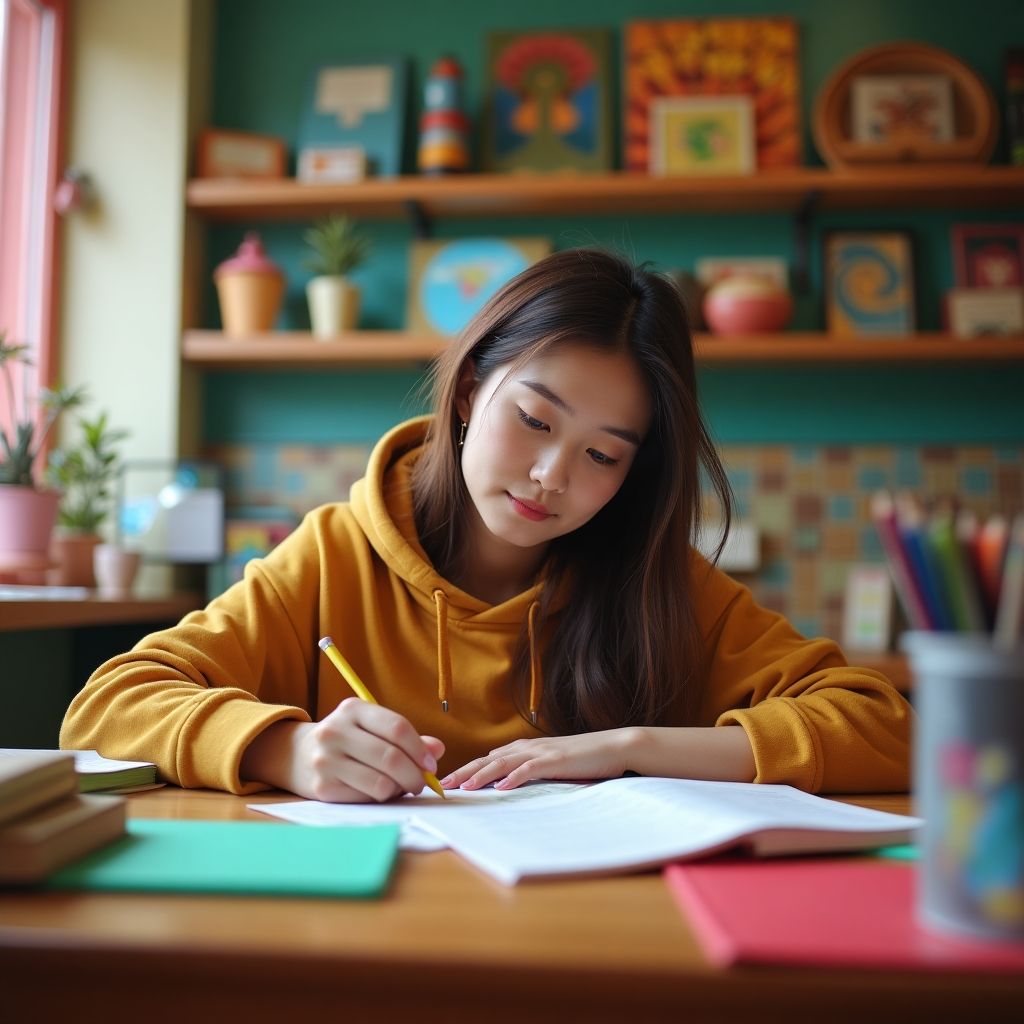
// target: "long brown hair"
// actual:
[[624, 647]]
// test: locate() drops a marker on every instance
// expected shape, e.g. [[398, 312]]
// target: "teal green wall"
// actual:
[[264, 50]]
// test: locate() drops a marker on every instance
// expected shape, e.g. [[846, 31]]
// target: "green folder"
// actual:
[[239, 858], [907, 851]]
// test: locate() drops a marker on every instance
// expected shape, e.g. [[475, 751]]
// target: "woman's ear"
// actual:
[[465, 389]]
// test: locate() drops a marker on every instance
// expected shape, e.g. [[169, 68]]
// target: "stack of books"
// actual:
[[952, 572], [45, 822]]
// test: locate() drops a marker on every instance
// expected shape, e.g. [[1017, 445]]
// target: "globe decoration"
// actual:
[[462, 276]]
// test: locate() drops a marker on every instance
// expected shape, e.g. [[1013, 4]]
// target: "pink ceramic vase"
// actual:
[[747, 304]]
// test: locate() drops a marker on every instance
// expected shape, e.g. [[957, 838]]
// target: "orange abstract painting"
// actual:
[[756, 57]]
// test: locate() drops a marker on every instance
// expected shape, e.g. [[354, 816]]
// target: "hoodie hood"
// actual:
[[382, 504]]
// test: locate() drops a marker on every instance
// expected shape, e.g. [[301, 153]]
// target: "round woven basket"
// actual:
[[975, 116]]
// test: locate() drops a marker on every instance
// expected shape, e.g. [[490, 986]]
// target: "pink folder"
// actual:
[[836, 913]]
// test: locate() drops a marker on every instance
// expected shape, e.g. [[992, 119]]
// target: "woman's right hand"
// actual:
[[359, 753]]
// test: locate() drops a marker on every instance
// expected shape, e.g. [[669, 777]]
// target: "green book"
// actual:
[[240, 858]]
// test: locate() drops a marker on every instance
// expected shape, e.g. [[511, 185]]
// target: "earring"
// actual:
[[462, 433]]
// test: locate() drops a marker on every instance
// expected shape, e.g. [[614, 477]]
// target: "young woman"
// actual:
[[516, 582]]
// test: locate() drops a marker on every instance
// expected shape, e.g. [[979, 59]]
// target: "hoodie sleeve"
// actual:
[[813, 721], [193, 697]]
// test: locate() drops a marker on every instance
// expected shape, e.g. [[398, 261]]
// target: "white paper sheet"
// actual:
[[402, 812]]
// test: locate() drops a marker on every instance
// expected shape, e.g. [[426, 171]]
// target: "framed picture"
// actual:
[[988, 255], [976, 312], [709, 135], [249, 532], [230, 154], [1014, 105], [712, 269], [869, 283], [868, 609], [450, 281], [358, 103], [548, 104], [701, 57], [331, 164], [902, 108]]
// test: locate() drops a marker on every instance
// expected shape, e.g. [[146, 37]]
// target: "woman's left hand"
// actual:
[[594, 755]]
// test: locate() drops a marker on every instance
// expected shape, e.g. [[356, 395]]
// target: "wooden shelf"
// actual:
[[812, 347], [504, 195], [94, 611], [297, 349]]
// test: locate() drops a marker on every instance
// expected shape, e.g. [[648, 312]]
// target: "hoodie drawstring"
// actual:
[[536, 680], [444, 660]]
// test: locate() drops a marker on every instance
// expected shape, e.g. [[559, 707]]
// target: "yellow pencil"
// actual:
[[348, 673]]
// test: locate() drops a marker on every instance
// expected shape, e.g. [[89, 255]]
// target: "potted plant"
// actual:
[[333, 298], [27, 511], [83, 473]]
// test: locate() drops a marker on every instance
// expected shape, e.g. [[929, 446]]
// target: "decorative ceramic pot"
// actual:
[[747, 304], [333, 305], [249, 288], [115, 568], [72, 551]]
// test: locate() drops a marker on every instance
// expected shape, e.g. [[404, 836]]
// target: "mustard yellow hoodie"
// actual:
[[193, 697]]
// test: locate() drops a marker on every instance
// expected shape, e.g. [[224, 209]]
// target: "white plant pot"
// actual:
[[333, 306], [115, 568]]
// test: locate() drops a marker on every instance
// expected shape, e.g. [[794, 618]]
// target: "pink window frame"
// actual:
[[31, 158]]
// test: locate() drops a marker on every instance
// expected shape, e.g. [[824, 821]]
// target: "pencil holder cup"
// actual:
[[969, 783]]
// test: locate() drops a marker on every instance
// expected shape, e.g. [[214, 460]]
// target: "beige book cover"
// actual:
[[34, 846], [33, 779]]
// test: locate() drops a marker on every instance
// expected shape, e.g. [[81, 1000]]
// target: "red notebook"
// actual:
[[836, 913]]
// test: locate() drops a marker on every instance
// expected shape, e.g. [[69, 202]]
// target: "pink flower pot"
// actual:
[[27, 516], [72, 553]]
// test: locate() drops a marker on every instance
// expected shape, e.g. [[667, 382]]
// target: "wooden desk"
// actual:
[[49, 648], [446, 944]]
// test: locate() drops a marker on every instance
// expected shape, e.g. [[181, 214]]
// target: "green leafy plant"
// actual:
[[84, 473], [21, 441], [337, 247]]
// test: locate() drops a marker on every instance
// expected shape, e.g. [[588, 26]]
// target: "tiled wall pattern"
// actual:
[[809, 502], [292, 476]]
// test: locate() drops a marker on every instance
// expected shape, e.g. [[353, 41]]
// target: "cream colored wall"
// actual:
[[120, 287], [136, 91], [137, 88]]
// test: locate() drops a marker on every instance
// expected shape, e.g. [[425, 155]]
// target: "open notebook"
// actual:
[[634, 823], [620, 825]]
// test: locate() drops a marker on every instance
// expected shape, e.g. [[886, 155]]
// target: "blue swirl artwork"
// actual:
[[871, 291]]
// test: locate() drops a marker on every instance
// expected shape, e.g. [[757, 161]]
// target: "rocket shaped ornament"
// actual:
[[444, 128]]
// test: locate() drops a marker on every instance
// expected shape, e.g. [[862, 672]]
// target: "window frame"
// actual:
[[33, 39]]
